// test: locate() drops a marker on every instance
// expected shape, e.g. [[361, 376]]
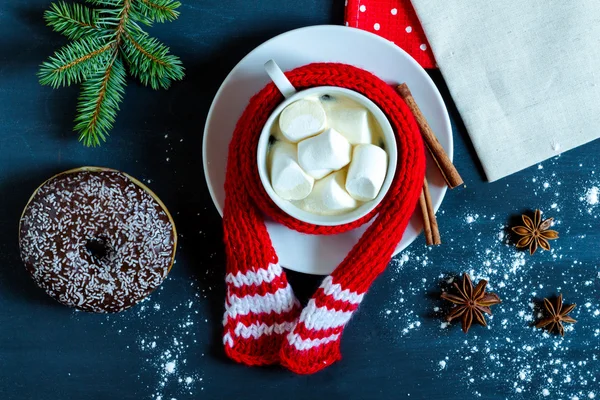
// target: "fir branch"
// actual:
[[105, 40], [99, 102], [74, 62], [150, 61], [158, 10], [73, 21]]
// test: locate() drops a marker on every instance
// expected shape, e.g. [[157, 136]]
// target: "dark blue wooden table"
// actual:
[[169, 347]]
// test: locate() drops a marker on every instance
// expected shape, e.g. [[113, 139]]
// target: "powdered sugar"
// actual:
[[170, 367], [167, 351], [592, 195], [168, 339], [471, 218], [510, 355]]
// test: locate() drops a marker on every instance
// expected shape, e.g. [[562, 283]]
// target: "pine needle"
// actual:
[[158, 10], [104, 42], [109, 3], [74, 62], [150, 61], [99, 103], [73, 20]]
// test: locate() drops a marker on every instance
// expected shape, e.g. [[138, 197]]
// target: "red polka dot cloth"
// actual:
[[394, 20]]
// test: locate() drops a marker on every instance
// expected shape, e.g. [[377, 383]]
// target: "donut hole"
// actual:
[[98, 248]]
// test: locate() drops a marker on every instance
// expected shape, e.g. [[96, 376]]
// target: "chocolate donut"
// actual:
[[97, 239]]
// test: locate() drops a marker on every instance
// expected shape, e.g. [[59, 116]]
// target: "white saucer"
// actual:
[[309, 253]]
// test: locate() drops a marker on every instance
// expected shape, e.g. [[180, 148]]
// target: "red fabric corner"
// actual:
[[394, 20]]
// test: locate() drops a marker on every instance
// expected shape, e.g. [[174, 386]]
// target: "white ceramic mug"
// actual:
[[291, 95]]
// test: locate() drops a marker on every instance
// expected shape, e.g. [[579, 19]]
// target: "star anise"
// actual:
[[471, 302], [556, 315], [535, 233]]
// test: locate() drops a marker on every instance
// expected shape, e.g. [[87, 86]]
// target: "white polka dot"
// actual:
[[394, 11], [346, 3], [346, 23], [423, 47], [376, 27], [408, 29], [362, 8]]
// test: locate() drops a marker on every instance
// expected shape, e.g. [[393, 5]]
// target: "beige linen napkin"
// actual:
[[525, 75]]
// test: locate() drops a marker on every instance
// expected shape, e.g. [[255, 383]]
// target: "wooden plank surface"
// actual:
[[395, 347]]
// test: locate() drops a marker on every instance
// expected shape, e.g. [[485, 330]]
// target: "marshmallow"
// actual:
[[288, 180], [366, 172], [329, 197], [324, 153], [302, 119], [353, 123]]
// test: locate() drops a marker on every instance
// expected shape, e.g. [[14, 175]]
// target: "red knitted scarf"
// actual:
[[264, 322]]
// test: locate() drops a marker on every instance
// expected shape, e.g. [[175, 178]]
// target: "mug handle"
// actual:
[[279, 79]]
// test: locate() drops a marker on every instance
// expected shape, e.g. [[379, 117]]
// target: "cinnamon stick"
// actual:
[[435, 231], [426, 222], [449, 172]]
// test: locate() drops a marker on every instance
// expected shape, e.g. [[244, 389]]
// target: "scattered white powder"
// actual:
[[471, 218], [501, 235], [592, 196], [403, 258], [522, 375], [167, 338], [170, 367], [510, 354], [411, 326]]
